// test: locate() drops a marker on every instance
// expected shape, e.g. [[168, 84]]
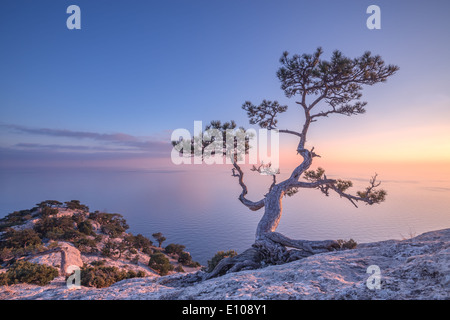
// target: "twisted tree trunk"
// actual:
[[337, 84], [270, 247]]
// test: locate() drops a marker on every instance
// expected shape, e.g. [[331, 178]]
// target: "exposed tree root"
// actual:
[[271, 249]]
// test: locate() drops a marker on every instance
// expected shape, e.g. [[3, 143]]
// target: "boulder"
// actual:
[[70, 256], [63, 256]]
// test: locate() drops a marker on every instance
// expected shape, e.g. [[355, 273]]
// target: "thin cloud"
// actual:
[[119, 139], [437, 189], [72, 134], [57, 147]]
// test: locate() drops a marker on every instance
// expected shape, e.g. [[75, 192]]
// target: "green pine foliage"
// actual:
[[219, 256], [27, 272], [159, 262], [174, 248], [78, 228], [101, 276], [347, 244]]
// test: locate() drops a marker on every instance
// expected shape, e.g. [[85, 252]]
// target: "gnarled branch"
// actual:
[[237, 172]]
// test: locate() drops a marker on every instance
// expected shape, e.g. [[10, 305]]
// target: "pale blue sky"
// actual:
[[139, 69]]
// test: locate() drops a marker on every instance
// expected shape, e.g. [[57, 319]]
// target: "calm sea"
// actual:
[[200, 209]]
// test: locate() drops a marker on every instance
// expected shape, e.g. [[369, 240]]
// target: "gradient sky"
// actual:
[[112, 92]]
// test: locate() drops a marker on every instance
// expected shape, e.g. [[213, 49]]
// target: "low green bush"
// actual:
[[113, 249], [103, 276], [47, 211], [174, 248], [138, 242], [4, 281], [186, 260], [179, 268], [86, 245], [20, 239], [15, 218], [159, 262], [6, 254], [54, 228], [347, 244], [98, 263], [27, 272], [141, 274], [76, 205], [219, 256], [112, 224], [86, 227]]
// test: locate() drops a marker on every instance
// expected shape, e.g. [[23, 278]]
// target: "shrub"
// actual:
[[6, 254], [98, 263], [47, 211], [78, 218], [159, 262], [159, 237], [4, 279], [147, 250], [138, 242], [53, 245], [86, 245], [179, 268], [98, 238], [49, 204], [112, 224], [20, 239], [219, 256], [347, 244], [174, 248], [86, 227], [186, 260], [57, 228], [141, 274], [103, 276], [114, 249], [113, 230], [108, 249], [76, 205], [15, 218], [27, 272]]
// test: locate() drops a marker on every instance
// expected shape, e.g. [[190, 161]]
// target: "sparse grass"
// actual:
[[411, 234]]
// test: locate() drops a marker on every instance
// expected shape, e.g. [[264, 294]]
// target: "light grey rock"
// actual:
[[70, 256], [417, 268], [64, 255]]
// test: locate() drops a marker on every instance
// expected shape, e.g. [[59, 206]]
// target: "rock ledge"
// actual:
[[417, 268]]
